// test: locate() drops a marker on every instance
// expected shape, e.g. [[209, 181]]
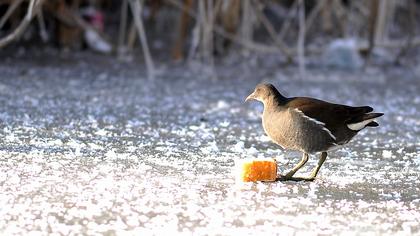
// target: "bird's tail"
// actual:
[[359, 122]]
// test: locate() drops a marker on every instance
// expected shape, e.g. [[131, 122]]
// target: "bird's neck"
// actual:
[[274, 102], [272, 106]]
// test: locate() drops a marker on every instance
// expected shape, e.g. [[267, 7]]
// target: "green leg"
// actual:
[[314, 173], [302, 162], [316, 170], [318, 166]]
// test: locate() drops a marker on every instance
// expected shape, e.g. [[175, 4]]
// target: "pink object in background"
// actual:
[[95, 17], [97, 20]]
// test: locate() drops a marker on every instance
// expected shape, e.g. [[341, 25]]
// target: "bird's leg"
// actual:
[[302, 162], [320, 162], [316, 169]]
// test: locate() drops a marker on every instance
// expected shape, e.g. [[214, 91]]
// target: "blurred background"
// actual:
[[333, 33], [122, 116]]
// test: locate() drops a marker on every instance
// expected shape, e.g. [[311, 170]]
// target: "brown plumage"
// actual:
[[309, 125]]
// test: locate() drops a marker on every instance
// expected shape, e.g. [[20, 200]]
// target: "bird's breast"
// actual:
[[274, 126]]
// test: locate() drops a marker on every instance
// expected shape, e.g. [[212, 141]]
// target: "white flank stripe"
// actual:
[[359, 125], [316, 122], [329, 132]]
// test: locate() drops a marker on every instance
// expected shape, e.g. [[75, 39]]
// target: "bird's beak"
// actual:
[[250, 97]]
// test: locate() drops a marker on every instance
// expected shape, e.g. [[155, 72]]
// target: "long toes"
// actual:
[[297, 179], [309, 179], [284, 177], [289, 175]]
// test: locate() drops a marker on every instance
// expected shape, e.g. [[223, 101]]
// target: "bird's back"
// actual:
[[312, 125]]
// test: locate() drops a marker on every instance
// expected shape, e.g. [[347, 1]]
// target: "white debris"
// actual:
[[96, 42], [239, 147], [387, 153]]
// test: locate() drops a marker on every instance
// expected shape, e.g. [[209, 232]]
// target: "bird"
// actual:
[[309, 125]]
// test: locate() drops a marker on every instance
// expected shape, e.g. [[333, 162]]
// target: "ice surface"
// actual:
[[114, 154]]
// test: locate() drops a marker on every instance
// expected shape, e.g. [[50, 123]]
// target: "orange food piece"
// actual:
[[252, 170]]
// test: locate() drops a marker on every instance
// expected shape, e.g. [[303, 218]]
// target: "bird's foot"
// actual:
[[297, 179], [289, 175]]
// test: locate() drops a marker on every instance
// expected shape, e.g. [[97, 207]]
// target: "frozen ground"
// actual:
[[98, 149]]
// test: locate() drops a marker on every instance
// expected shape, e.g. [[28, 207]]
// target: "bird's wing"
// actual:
[[332, 115]]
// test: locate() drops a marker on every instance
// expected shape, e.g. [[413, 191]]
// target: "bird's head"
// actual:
[[262, 93]]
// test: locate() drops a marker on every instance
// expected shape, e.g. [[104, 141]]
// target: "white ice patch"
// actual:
[[263, 138], [387, 153], [359, 125], [316, 122], [239, 147], [210, 148], [224, 124], [417, 160]]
